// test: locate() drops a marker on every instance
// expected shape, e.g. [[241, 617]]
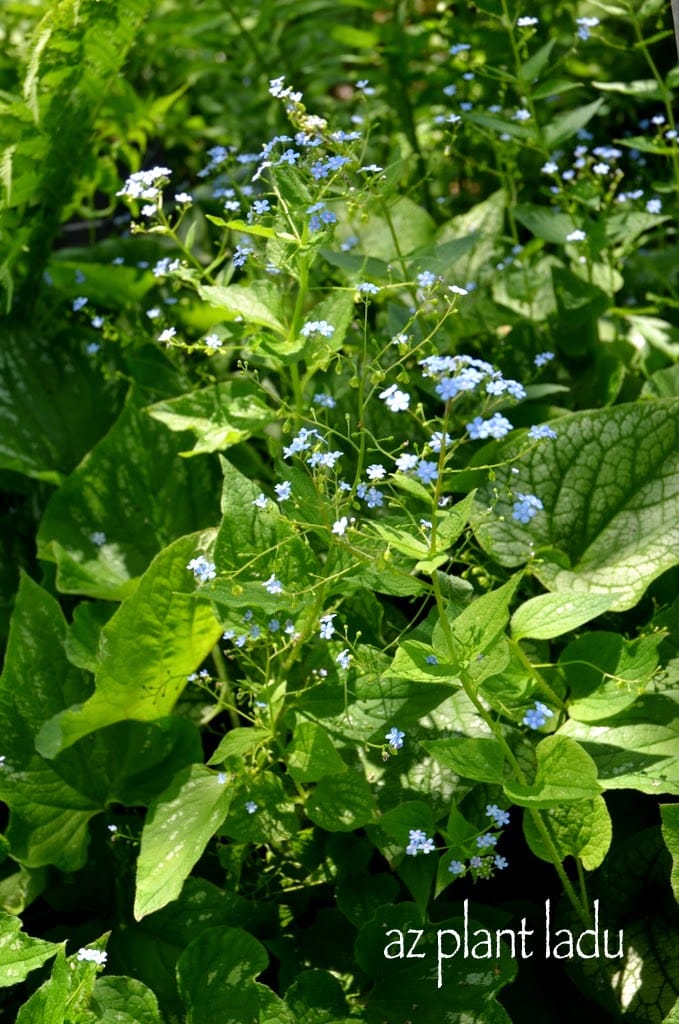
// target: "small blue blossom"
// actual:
[[654, 206], [273, 585], [366, 288], [283, 491], [327, 629], [497, 426], [541, 430], [459, 48], [395, 738], [78, 303], [427, 471], [536, 717], [475, 862], [521, 114], [374, 498], [261, 206], [576, 236], [221, 778], [92, 348], [251, 806], [240, 255], [99, 538], [317, 327], [542, 358], [499, 816], [202, 569], [431, 659], [261, 501], [426, 279], [324, 400], [456, 867], [584, 25], [486, 840], [527, 22], [375, 472], [339, 527], [526, 508], [213, 342], [343, 659], [500, 862], [167, 335], [418, 842]]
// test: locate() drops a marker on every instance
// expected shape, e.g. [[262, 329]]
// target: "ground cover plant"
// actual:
[[339, 409]]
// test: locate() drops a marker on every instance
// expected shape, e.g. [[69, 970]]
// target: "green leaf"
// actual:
[[636, 749], [124, 1001], [316, 997], [581, 829], [50, 805], [342, 803], [312, 754], [238, 742], [611, 502], [216, 976], [47, 427], [477, 630], [19, 953], [480, 758], [565, 125], [551, 615], [275, 819], [178, 827], [134, 490], [256, 304], [261, 539], [536, 63], [670, 831], [545, 222], [148, 648], [219, 416], [565, 774], [466, 993], [605, 673], [48, 1004]]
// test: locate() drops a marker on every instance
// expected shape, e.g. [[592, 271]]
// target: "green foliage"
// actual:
[[338, 559]]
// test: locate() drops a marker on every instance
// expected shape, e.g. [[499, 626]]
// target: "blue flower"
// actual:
[[327, 629], [202, 569], [283, 491], [240, 255], [542, 358], [497, 426], [499, 816], [538, 431], [427, 471], [419, 842], [317, 327], [500, 862], [536, 717], [395, 738], [366, 288], [456, 867], [526, 508], [426, 279], [251, 806], [486, 840], [272, 585], [343, 659]]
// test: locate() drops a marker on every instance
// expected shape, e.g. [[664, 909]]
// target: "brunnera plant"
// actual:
[[344, 617]]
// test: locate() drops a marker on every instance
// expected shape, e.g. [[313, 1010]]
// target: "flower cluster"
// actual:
[[537, 716], [419, 842], [202, 569]]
